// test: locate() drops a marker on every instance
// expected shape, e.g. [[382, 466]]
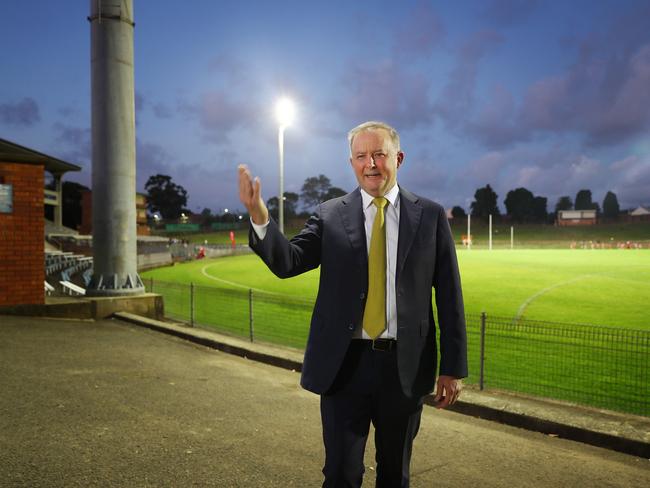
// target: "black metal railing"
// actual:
[[604, 367]]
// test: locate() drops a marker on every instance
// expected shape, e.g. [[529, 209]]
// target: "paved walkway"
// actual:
[[111, 404]]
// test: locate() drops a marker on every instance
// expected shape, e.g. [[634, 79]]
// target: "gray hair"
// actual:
[[373, 125]]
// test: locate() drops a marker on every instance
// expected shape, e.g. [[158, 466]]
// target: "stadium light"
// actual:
[[285, 113]]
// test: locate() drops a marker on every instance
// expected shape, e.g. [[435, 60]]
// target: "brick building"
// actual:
[[22, 220]]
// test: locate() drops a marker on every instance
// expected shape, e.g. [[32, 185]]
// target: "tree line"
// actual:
[[169, 200], [522, 206]]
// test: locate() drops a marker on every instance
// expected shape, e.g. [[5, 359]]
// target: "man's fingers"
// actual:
[[447, 391], [245, 185], [257, 189]]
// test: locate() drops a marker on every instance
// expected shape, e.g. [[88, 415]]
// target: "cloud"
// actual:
[[604, 99], [76, 142], [632, 180], [226, 108], [219, 113], [140, 102], [495, 124], [385, 92], [504, 13], [23, 113], [422, 31], [162, 111], [456, 101]]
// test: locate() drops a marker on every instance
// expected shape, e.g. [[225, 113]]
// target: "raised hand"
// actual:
[[250, 194]]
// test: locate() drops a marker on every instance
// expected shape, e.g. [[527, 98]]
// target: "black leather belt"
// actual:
[[384, 344]]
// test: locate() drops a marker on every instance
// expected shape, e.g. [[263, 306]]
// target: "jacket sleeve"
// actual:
[[287, 258], [449, 303]]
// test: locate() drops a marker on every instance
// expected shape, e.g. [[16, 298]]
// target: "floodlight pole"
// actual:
[[281, 197], [490, 232], [469, 235]]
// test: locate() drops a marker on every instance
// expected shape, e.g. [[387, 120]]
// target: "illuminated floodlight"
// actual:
[[285, 112]]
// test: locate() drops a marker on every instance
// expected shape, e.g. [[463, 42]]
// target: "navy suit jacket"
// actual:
[[334, 239]]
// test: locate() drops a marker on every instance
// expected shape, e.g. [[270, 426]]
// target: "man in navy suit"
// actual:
[[379, 377]]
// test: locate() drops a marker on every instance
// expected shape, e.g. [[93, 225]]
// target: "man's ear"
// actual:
[[400, 158]]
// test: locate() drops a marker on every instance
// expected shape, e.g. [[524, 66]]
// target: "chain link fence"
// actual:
[[598, 366]]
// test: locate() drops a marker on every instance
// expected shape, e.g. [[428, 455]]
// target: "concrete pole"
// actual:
[[113, 150]]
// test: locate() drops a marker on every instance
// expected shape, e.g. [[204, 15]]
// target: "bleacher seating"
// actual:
[[64, 269]]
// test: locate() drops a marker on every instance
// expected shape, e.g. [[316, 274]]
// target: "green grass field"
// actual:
[[525, 236], [602, 287], [599, 366]]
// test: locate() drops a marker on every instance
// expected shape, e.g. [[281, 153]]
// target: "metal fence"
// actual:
[[603, 367]]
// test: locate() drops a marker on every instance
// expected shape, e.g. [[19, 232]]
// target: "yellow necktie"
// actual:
[[374, 316]]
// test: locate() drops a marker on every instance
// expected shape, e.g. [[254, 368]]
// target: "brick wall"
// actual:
[[22, 268]]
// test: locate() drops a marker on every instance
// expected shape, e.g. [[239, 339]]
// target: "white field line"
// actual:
[[530, 299], [232, 283]]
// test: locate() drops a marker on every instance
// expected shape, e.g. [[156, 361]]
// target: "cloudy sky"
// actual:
[[550, 95]]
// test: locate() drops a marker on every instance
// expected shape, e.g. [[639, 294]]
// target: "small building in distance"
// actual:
[[576, 217], [639, 214]]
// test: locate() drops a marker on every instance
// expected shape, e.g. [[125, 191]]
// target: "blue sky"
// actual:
[[553, 96]]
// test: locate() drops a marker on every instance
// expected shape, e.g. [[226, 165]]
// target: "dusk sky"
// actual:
[[553, 96]]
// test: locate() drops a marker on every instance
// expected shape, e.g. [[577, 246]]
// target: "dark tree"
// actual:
[[290, 203], [563, 203], [458, 212], [610, 206], [583, 200], [272, 205], [314, 190], [334, 192], [540, 213], [485, 203], [165, 197], [520, 205]]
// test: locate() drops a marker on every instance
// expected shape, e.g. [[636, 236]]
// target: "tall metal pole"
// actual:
[[469, 234], [281, 197], [113, 150]]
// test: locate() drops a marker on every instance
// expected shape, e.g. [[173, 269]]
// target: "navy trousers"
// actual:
[[367, 389]]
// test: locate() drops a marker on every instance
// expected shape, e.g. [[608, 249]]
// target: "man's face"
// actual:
[[375, 161]]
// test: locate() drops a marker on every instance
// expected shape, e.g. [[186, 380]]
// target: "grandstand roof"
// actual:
[[10, 152]]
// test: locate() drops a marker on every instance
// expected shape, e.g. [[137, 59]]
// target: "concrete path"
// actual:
[[111, 404]]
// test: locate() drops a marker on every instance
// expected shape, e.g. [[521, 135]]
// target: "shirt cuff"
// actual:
[[260, 230]]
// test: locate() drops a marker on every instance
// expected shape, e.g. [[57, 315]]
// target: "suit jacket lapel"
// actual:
[[409, 221], [351, 210]]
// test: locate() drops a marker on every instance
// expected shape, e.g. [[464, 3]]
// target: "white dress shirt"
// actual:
[[391, 217]]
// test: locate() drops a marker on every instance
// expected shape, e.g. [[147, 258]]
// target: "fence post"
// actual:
[[191, 304], [151, 286], [481, 381], [250, 313]]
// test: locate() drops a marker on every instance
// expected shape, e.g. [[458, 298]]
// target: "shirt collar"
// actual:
[[391, 196]]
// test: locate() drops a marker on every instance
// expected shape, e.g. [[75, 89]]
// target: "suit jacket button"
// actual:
[[351, 327], [362, 296]]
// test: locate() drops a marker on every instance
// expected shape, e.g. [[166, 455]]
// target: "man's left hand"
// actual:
[[447, 391]]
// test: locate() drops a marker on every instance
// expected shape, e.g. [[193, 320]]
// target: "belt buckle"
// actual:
[[382, 345]]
